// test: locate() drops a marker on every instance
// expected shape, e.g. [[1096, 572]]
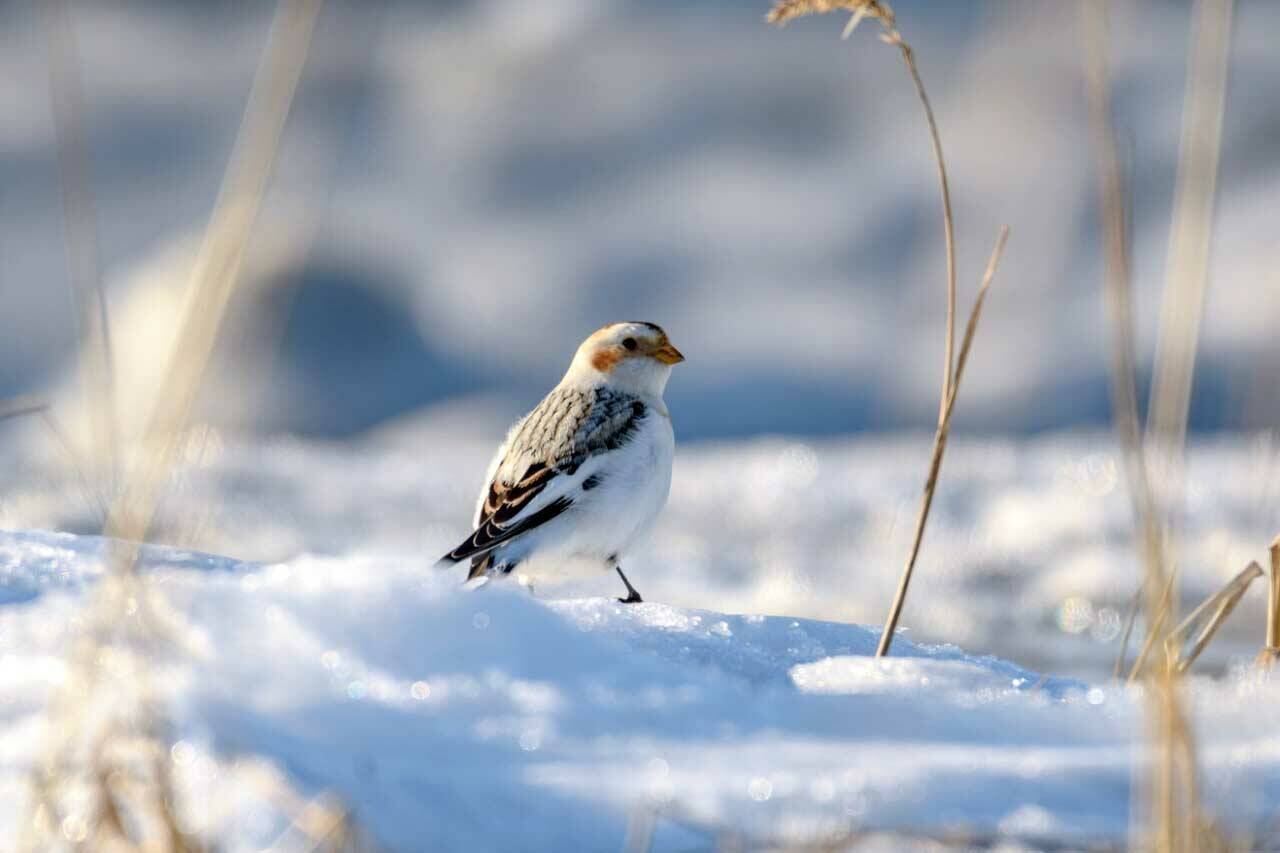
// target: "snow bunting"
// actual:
[[584, 475]]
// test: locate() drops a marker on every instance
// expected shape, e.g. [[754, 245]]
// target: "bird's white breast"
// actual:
[[608, 520]]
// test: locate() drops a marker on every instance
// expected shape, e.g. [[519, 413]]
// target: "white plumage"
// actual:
[[584, 475]]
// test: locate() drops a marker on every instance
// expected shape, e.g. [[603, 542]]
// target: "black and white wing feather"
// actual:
[[540, 468]]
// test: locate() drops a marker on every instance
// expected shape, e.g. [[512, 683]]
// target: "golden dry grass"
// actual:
[[1270, 652], [1173, 800], [1176, 821], [105, 782], [1203, 623], [787, 10], [939, 448]]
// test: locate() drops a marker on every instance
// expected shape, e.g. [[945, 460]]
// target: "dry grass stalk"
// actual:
[[327, 826], [1122, 358], [104, 783], [16, 407], [1217, 607], [320, 824], [108, 698], [1155, 631], [19, 406], [93, 495], [81, 238], [1187, 264], [939, 448], [1271, 651], [786, 10], [1273, 600], [1177, 822], [1123, 384], [218, 263]]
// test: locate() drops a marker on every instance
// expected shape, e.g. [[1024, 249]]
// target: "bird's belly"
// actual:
[[610, 518]]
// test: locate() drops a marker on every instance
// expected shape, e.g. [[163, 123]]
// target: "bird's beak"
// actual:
[[667, 354]]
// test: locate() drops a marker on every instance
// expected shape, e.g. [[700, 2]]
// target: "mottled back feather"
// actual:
[[568, 427]]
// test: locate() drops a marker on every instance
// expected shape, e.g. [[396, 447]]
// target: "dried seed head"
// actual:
[[786, 10]]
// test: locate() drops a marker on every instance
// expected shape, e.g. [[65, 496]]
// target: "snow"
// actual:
[[1028, 554], [444, 171], [450, 718]]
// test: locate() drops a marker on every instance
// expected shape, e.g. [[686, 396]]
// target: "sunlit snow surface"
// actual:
[[490, 719], [1028, 554]]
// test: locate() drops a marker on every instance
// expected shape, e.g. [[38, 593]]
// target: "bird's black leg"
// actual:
[[633, 597]]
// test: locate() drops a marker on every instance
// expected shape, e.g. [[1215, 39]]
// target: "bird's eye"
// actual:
[[629, 343]]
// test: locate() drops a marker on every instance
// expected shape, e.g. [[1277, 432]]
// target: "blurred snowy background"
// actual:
[[467, 188]]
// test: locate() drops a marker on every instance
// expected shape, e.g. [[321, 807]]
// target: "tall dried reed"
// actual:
[[1172, 796], [953, 371], [105, 779], [90, 313], [1271, 649]]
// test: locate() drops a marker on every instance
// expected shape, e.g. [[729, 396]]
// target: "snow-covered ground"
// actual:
[[487, 720], [1028, 555], [490, 719]]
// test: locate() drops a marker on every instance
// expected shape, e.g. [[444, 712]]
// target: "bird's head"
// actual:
[[633, 356]]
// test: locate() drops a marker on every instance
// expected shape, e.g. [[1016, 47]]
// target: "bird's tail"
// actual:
[[480, 564]]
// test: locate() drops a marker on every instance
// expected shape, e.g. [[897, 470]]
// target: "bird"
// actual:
[[584, 475]]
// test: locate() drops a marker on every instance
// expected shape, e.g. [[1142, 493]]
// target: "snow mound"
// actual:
[[1029, 553], [487, 719], [847, 674]]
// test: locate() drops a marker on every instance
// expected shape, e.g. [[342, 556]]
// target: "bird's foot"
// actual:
[[633, 597]]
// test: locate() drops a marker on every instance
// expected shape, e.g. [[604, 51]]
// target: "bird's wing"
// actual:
[[544, 466], [490, 535]]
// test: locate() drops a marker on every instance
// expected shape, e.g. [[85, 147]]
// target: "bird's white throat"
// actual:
[[644, 377]]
